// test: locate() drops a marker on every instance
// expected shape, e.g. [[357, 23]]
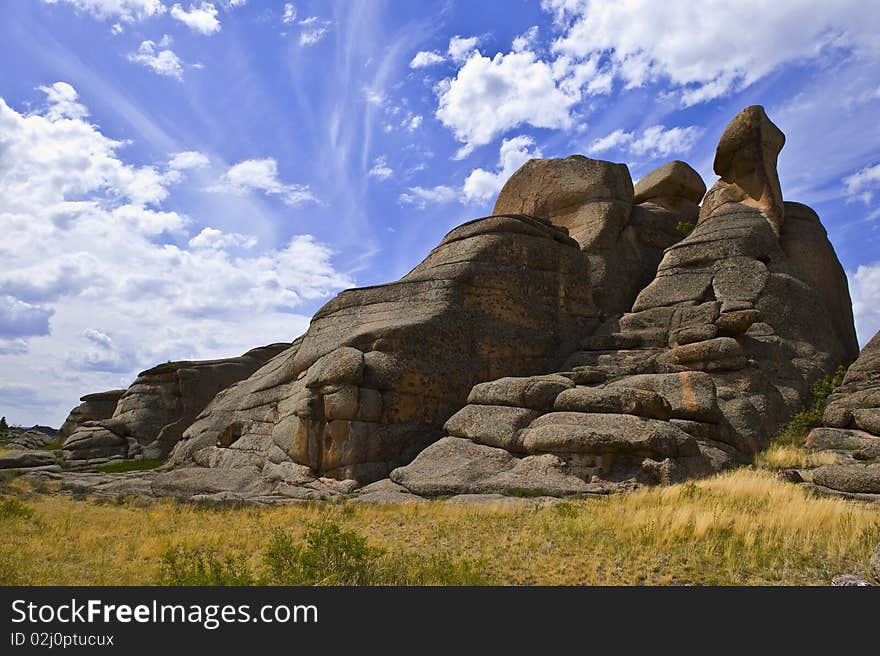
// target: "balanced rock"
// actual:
[[745, 160], [675, 186]]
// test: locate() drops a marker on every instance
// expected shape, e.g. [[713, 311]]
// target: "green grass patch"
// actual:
[[55, 446], [795, 431], [129, 465], [12, 508]]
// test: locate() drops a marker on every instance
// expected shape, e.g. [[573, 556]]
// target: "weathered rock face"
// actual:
[[381, 368], [94, 407], [151, 415], [852, 430], [594, 200], [746, 162], [674, 186], [717, 351]]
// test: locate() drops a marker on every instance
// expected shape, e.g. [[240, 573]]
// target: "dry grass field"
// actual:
[[739, 528]]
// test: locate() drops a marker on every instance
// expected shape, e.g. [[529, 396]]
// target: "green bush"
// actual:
[[3, 425], [330, 556], [795, 431], [201, 567], [684, 227]]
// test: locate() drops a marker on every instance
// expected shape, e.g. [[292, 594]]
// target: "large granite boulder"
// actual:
[[621, 240], [151, 415], [381, 368], [741, 317], [93, 407], [675, 186]]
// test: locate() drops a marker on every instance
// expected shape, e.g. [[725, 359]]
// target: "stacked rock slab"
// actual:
[[93, 407], [852, 430], [381, 368], [719, 349], [151, 415], [621, 234]]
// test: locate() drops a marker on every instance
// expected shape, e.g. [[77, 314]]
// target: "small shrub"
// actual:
[[129, 465], [3, 425], [55, 446], [12, 508], [431, 569], [330, 556], [566, 509], [684, 227], [795, 431], [200, 567]]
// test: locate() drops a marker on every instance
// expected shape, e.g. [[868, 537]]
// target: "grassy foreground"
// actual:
[[739, 528]]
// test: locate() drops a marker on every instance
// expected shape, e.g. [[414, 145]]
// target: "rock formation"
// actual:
[[381, 368], [94, 407], [716, 352], [588, 337], [852, 431], [150, 416]]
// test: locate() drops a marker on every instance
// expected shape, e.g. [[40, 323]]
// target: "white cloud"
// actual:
[[62, 102], [93, 288], [190, 159], [421, 197], [460, 47], [864, 287], [312, 35], [201, 18], [861, 183], [426, 58], [716, 48], [289, 15], [219, 240], [482, 185], [262, 175], [655, 141], [525, 40], [412, 122], [491, 96], [128, 11], [380, 169], [164, 62]]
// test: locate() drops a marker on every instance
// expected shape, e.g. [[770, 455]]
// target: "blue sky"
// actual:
[[190, 180]]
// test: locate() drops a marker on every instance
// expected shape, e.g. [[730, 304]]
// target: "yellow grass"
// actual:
[[788, 456], [741, 527]]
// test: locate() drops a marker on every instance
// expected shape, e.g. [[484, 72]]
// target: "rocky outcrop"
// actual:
[[587, 338], [715, 353], [94, 407], [851, 431], [381, 368], [152, 414], [622, 241]]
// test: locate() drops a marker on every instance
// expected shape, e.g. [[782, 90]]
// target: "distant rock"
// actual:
[[94, 407], [151, 415]]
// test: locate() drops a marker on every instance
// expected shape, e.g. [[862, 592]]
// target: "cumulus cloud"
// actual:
[[712, 51], [426, 58], [461, 47], [380, 169], [655, 141], [201, 18], [262, 175], [490, 96], [90, 262], [128, 11], [862, 184], [526, 40], [160, 59], [190, 159], [482, 185], [864, 285], [421, 197], [61, 98]]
